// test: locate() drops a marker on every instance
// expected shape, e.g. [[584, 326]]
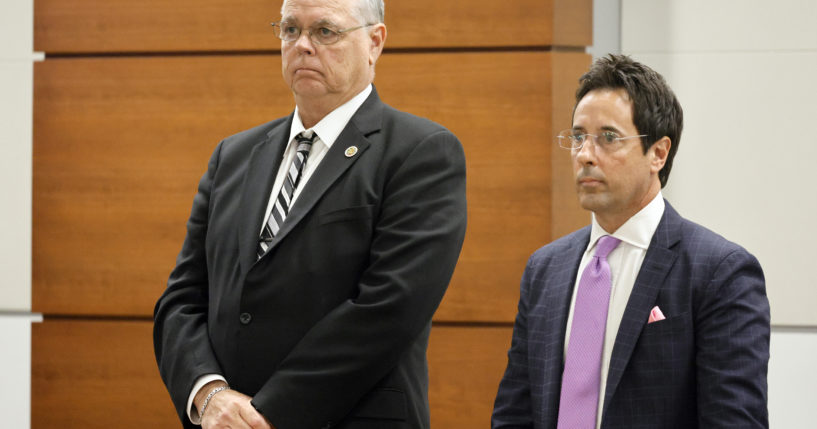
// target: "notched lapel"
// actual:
[[560, 284], [657, 264], [264, 162], [364, 123], [334, 163], [559, 294]]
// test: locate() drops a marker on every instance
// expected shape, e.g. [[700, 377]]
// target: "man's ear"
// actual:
[[378, 37], [658, 154]]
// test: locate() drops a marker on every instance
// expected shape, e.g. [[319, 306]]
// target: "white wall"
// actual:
[[606, 28], [745, 73], [792, 378], [16, 30], [16, 59]]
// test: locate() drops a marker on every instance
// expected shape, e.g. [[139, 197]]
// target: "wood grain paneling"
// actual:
[[102, 374], [120, 143], [465, 367], [566, 213], [572, 23], [499, 107], [119, 146], [96, 374], [220, 25]]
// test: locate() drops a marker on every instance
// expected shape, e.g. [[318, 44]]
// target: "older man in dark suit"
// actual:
[[318, 248], [642, 319]]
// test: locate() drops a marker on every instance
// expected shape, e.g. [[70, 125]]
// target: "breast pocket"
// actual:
[[659, 377], [664, 348], [344, 238], [358, 213], [669, 327]]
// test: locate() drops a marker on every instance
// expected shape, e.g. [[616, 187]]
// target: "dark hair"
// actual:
[[656, 111]]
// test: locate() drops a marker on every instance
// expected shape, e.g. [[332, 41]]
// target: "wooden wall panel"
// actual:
[[102, 374], [496, 104], [465, 367], [566, 213], [120, 143], [96, 374], [119, 146], [572, 23], [219, 25]]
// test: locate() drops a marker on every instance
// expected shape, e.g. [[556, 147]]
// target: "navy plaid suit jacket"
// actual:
[[703, 366]]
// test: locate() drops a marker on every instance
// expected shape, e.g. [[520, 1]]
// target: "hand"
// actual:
[[231, 409]]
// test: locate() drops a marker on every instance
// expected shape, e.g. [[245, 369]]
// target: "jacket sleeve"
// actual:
[[733, 329], [180, 338], [512, 407], [415, 245]]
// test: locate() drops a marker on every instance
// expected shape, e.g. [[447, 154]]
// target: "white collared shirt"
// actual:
[[328, 130], [625, 263]]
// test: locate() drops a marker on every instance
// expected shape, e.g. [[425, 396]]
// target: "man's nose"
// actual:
[[304, 43], [587, 153]]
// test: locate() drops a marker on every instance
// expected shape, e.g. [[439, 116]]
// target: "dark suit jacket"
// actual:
[[330, 327], [703, 366]]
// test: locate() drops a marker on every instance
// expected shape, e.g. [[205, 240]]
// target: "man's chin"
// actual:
[[308, 85], [591, 202], [309, 90]]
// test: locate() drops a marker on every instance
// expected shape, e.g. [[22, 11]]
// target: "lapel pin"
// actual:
[[350, 151]]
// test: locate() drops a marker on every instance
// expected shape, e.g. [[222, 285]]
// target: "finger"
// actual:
[[252, 417]]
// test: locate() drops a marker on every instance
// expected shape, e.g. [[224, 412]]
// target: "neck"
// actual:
[[312, 113], [611, 222], [312, 110]]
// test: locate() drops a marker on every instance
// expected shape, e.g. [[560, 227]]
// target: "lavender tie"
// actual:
[[581, 378]]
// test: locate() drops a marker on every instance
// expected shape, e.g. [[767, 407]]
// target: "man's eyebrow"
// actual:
[[611, 128], [325, 23]]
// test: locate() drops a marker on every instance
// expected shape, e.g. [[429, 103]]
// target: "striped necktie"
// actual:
[[284, 199]]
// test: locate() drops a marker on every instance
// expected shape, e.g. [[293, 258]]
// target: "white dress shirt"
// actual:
[[625, 263], [327, 130]]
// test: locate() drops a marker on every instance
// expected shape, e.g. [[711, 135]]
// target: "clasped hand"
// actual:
[[231, 409]]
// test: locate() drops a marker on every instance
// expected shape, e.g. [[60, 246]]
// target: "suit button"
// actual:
[[245, 318]]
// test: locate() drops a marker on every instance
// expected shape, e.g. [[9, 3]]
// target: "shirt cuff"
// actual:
[[192, 412]]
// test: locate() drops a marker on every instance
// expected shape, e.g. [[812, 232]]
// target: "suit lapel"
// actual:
[[657, 263], [556, 301], [364, 122], [264, 162]]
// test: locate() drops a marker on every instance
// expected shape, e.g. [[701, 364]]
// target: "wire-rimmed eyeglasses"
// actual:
[[320, 34], [608, 140]]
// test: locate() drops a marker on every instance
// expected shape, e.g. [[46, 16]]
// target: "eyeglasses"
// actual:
[[607, 140], [320, 35]]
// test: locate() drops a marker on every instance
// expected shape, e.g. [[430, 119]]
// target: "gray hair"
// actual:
[[371, 11], [368, 11]]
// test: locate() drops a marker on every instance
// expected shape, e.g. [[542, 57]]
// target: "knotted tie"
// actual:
[[581, 378], [291, 180]]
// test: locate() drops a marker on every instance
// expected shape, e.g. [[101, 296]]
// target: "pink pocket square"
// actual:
[[655, 315]]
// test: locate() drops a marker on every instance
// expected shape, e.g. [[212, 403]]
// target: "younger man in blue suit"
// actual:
[[642, 319]]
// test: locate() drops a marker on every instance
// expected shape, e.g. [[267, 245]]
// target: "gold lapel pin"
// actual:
[[350, 151]]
